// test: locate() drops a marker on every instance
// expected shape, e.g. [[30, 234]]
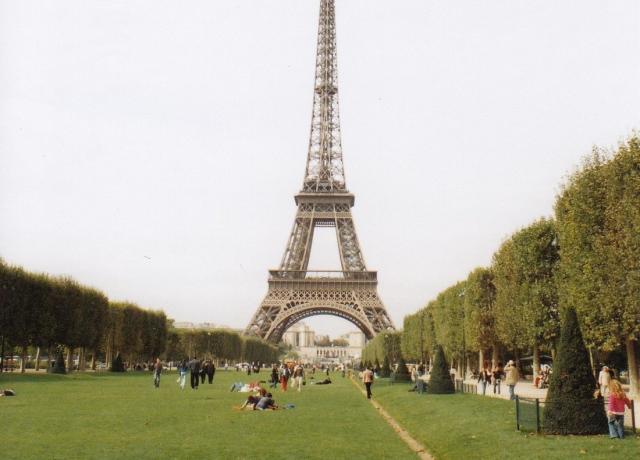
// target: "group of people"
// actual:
[[495, 375], [287, 372], [199, 370]]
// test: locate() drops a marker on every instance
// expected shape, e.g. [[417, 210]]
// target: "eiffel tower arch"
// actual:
[[295, 292]]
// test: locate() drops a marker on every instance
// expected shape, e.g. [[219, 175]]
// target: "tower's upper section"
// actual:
[[325, 171]]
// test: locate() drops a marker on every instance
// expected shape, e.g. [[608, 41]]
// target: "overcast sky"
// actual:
[[152, 148]]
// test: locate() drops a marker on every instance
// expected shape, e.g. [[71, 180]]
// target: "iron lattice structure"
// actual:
[[324, 201]]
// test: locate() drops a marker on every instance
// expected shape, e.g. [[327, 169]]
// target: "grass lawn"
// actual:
[[463, 426], [122, 416]]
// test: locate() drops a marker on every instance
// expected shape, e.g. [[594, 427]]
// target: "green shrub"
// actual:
[[117, 365], [440, 381], [59, 366], [570, 407], [402, 372]]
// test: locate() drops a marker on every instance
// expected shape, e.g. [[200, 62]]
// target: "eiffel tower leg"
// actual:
[[375, 311], [296, 255], [350, 253]]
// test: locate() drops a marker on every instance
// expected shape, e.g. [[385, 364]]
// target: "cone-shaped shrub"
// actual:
[[58, 366], [402, 373], [385, 371], [117, 365], [440, 381], [570, 407]]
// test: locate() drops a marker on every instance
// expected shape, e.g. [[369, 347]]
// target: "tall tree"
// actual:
[[526, 291], [598, 214], [448, 321], [479, 302]]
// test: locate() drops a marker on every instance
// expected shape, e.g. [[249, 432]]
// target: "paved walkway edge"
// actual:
[[413, 444]]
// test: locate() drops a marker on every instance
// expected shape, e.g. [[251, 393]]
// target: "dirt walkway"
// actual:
[[413, 444]]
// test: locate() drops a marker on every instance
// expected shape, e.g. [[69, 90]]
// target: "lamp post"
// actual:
[[422, 360], [464, 345]]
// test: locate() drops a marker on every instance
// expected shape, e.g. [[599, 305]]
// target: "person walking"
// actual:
[[183, 368], [284, 376], [211, 371], [157, 370], [367, 379], [484, 377], [615, 409], [298, 376], [604, 377], [204, 368], [194, 367], [274, 377], [511, 378], [496, 377]]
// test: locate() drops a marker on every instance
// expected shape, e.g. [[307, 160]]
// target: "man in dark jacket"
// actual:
[[211, 370], [203, 370], [194, 367]]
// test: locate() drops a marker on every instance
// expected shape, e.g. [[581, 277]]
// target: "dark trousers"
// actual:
[[210, 377], [368, 385], [195, 379]]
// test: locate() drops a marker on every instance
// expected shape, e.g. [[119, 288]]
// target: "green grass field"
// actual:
[[464, 426], [123, 416]]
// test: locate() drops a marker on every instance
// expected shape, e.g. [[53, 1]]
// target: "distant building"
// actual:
[[356, 339], [304, 341], [299, 335]]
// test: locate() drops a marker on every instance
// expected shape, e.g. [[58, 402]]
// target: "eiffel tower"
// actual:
[[324, 201]]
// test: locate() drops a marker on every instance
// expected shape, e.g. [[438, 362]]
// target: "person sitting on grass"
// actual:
[[265, 403], [615, 409], [252, 400]]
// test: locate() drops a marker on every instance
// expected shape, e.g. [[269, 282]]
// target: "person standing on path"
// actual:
[[496, 377], [603, 380], [298, 376], [511, 378], [157, 370], [484, 378], [194, 367], [367, 379]]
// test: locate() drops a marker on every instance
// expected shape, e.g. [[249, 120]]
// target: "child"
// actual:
[[615, 409]]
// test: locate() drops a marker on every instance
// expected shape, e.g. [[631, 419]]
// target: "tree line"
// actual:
[[59, 315], [221, 345], [586, 258]]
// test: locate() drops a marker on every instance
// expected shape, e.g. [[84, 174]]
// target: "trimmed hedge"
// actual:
[[440, 381], [570, 407], [59, 366], [117, 365]]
